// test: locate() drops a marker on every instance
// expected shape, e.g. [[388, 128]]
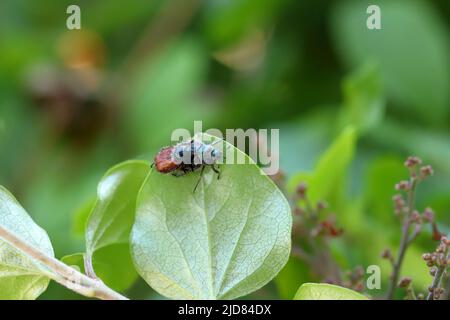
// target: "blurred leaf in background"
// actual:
[[412, 50]]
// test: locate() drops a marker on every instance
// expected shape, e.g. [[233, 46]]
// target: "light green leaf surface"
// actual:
[[21, 277], [323, 291], [109, 225], [226, 240]]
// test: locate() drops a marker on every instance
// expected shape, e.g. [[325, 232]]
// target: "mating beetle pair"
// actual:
[[187, 157]]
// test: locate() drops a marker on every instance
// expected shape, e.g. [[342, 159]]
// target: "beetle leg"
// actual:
[[199, 178], [216, 170]]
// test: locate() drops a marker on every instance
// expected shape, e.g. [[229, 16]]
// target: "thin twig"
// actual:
[[410, 294], [437, 279], [415, 234], [88, 267], [404, 242], [62, 273]]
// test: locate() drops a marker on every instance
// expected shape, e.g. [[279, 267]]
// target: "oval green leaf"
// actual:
[[21, 277], [109, 224], [228, 238], [324, 291]]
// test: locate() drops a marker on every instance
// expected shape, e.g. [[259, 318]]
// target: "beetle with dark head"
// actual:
[[186, 157]]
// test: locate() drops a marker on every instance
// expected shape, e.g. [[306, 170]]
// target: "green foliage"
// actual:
[[322, 291], [21, 277], [110, 222], [411, 50], [364, 101], [226, 22], [226, 240], [326, 181]]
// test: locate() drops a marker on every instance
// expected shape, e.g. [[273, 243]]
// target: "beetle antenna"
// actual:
[[199, 178]]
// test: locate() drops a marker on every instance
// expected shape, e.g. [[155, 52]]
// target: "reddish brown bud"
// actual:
[[426, 171], [301, 190], [445, 241], [330, 229], [386, 254], [428, 215], [412, 161], [404, 282], [426, 256], [399, 203], [402, 185], [359, 286], [298, 211], [433, 271], [321, 205], [415, 216], [436, 233]]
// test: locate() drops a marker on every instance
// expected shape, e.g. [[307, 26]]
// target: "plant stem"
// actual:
[[437, 279], [88, 267], [404, 242], [410, 294], [62, 273]]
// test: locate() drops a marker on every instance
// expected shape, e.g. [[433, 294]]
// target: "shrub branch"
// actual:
[[62, 273], [412, 220], [404, 242]]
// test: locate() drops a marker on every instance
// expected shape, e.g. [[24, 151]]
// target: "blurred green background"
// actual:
[[74, 103]]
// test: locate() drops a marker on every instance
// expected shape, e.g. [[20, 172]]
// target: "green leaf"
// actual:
[[228, 238], [81, 216], [364, 101], [325, 183], [75, 260], [109, 225], [112, 264], [21, 277], [322, 291]]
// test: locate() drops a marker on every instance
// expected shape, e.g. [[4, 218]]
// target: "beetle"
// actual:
[[187, 157]]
